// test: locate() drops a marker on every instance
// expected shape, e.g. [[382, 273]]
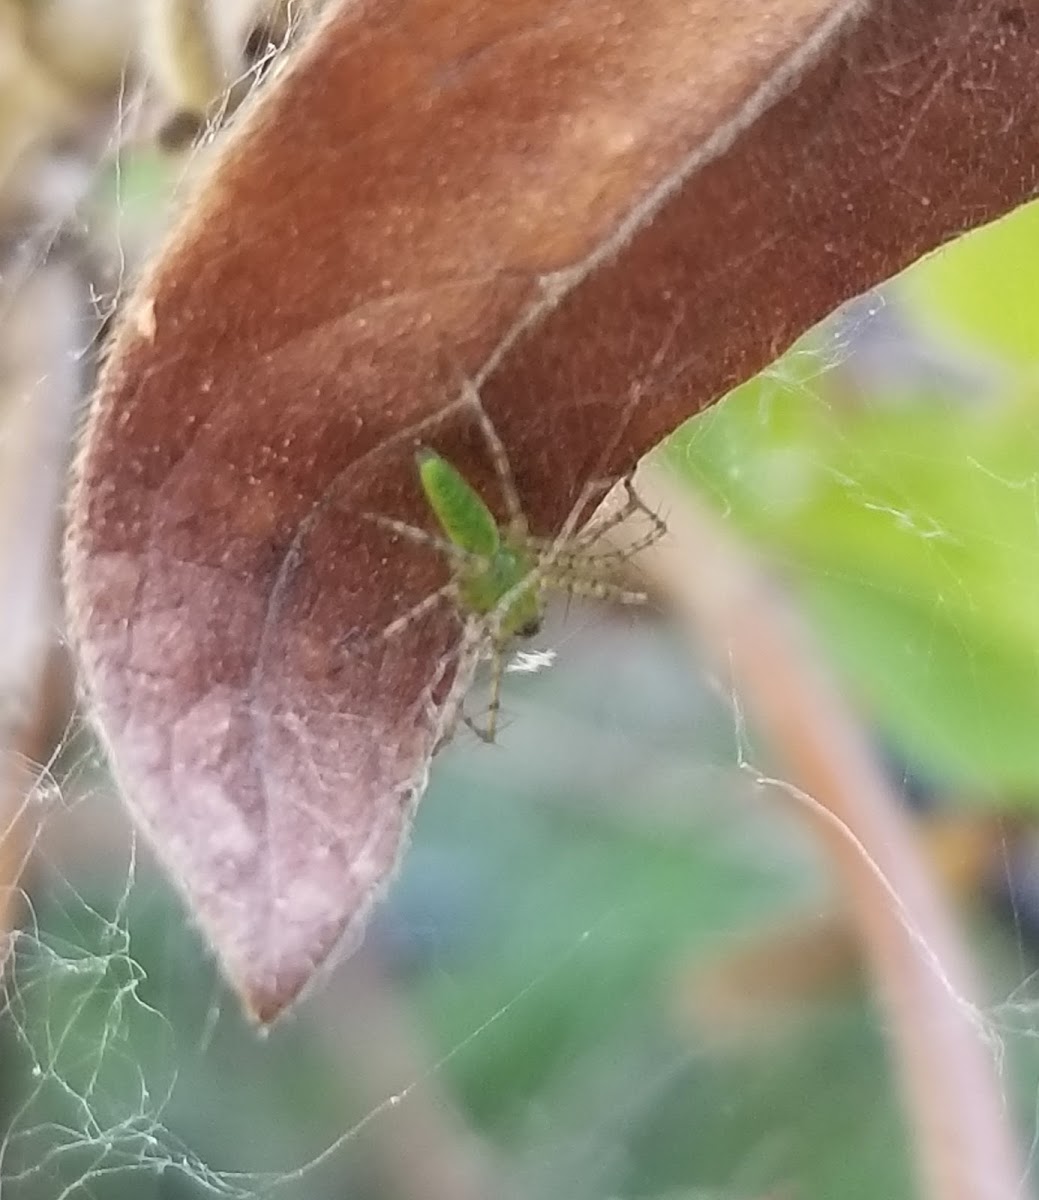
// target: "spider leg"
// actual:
[[489, 732], [490, 639], [637, 504], [469, 652], [596, 589], [636, 547], [577, 572], [592, 488], [577, 547], [609, 560], [572, 551], [633, 504], [500, 458], [431, 710], [419, 610], [423, 537]]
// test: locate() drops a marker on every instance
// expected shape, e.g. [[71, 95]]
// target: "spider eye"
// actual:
[[531, 629]]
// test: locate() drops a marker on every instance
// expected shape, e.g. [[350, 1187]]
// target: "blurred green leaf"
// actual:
[[983, 288], [912, 533]]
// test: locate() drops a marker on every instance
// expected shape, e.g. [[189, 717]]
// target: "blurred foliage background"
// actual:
[[611, 968]]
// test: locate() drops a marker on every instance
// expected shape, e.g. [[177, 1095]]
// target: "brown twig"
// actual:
[[945, 1055]]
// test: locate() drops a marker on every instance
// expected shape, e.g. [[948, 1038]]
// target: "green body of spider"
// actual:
[[500, 572], [494, 562]]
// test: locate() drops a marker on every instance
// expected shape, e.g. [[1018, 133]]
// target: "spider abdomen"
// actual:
[[462, 514]]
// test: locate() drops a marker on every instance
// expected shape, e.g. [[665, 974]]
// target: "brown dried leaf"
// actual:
[[607, 214]]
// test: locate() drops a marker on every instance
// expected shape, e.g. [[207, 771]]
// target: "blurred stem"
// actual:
[[17, 831], [945, 1055], [40, 386], [28, 741]]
